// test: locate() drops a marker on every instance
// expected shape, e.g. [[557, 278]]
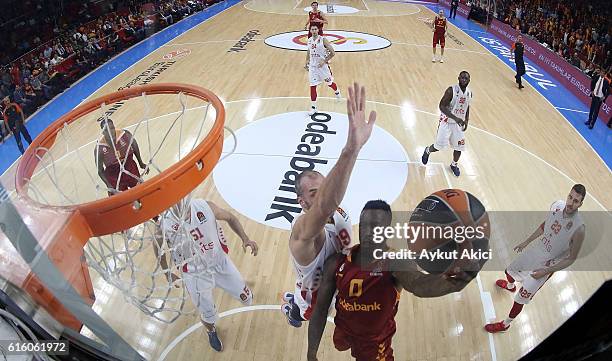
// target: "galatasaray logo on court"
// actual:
[[258, 180], [342, 41]]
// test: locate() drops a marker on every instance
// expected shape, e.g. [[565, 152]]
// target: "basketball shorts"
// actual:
[[364, 350], [520, 269], [225, 276], [122, 180], [439, 39], [450, 134], [320, 75]]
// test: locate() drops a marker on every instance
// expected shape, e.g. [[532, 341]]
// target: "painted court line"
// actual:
[[446, 48], [573, 110], [485, 297]]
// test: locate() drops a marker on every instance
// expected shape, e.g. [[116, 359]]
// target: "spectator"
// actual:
[[15, 121]]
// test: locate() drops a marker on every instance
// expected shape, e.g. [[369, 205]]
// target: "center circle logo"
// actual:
[[258, 180], [342, 41], [332, 9]]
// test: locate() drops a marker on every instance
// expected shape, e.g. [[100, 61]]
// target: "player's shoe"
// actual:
[[425, 157], [288, 297], [313, 110], [496, 327], [338, 96], [214, 341], [286, 308], [455, 169], [441, 60], [433, 60], [504, 284]]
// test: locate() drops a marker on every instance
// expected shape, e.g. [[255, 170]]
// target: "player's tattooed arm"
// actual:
[[575, 246], [537, 233], [445, 106], [429, 285], [333, 188], [325, 295], [330, 50], [223, 215]]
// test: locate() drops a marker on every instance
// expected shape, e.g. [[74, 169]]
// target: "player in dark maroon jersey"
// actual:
[[369, 292], [439, 29], [114, 154], [315, 17]]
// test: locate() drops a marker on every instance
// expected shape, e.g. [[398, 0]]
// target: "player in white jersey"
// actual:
[[455, 108], [324, 229], [199, 251], [338, 235], [320, 51], [560, 238]]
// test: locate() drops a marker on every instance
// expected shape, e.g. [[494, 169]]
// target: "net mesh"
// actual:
[[115, 148]]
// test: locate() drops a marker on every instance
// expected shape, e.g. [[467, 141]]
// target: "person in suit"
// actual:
[[453, 10], [600, 87], [517, 54]]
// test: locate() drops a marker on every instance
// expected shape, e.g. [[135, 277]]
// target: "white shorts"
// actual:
[[450, 134], [320, 75], [306, 307], [225, 276], [520, 269]]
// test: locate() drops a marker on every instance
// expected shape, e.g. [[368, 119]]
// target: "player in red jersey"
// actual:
[[439, 30], [315, 17], [369, 291], [114, 154]]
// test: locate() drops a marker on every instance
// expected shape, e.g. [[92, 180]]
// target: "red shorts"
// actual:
[[363, 350], [127, 179], [438, 39]]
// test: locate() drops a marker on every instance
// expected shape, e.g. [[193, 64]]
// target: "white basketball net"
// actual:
[[137, 261]]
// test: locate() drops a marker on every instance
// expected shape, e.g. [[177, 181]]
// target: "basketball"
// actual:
[[451, 229]]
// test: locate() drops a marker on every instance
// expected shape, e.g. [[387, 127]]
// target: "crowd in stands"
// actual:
[[579, 31], [48, 45]]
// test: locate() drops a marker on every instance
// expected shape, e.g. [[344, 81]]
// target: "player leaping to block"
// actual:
[[320, 51]]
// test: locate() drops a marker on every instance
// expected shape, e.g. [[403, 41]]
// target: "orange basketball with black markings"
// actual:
[[450, 230]]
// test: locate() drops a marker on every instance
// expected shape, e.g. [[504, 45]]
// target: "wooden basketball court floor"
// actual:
[[521, 156]]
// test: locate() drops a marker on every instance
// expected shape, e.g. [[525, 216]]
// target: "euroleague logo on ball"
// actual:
[[175, 54], [305, 143], [342, 41]]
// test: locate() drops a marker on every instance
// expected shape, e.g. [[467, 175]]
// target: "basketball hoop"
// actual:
[[146, 200], [114, 233]]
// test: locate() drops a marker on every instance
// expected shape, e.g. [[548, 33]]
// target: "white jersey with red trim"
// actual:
[[338, 235], [554, 244], [459, 104], [197, 243], [317, 51]]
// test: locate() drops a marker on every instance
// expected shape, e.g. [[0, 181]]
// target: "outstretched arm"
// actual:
[[429, 285], [325, 294], [223, 215], [330, 193]]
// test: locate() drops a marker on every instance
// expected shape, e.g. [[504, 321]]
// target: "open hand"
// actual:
[[252, 244], [519, 248], [359, 129]]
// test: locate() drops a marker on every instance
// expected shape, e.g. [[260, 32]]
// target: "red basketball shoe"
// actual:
[[496, 327], [504, 284]]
